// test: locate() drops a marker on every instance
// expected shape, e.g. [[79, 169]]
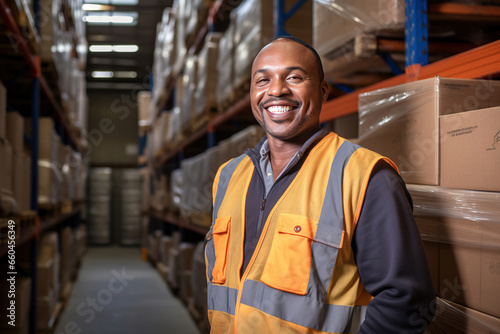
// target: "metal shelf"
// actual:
[[40, 226], [171, 220]]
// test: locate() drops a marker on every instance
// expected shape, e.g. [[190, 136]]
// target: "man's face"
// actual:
[[286, 91]]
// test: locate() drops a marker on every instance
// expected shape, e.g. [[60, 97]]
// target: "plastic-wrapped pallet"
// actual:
[[338, 22], [199, 173], [245, 139], [176, 190], [463, 226], [189, 80], [254, 27], [174, 134], [185, 264], [206, 89], [402, 122], [100, 205], [225, 67], [143, 99], [159, 131], [49, 171], [130, 227]]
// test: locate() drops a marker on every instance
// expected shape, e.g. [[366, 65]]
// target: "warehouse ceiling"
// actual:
[[143, 34]]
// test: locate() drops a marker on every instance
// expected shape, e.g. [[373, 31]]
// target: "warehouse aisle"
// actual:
[[117, 292]]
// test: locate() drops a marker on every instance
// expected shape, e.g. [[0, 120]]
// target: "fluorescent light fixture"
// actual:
[[113, 48], [102, 74], [108, 19], [125, 48], [111, 18], [125, 74], [101, 48], [89, 7], [115, 2]]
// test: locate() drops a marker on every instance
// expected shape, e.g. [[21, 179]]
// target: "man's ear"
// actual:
[[325, 90]]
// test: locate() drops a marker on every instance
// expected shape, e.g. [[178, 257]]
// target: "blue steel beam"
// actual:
[[281, 15], [416, 36]]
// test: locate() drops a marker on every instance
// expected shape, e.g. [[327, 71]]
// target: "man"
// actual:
[[311, 233]]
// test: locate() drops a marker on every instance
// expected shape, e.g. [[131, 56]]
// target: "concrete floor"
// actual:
[[117, 292]]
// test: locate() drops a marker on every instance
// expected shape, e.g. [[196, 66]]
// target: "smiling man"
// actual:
[[311, 233]]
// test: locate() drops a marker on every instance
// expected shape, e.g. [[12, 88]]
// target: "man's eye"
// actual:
[[262, 80], [294, 78]]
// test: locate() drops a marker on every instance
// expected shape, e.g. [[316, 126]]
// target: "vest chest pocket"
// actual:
[[221, 232], [289, 262]]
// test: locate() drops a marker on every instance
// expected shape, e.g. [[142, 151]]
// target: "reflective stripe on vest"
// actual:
[[224, 178], [301, 310], [222, 298]]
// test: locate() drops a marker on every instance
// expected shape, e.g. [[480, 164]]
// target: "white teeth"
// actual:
[[279, 109]]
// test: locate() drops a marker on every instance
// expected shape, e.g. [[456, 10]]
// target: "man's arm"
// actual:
[[391, 259]]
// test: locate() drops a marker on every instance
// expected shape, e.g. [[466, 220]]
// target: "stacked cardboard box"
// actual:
[[8, 204], [225, 67], [48, 279], [339, 28], [443, 136], [15, 136], [206, 87], [402, 122]]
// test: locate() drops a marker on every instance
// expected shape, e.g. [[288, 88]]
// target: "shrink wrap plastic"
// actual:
[[206, 88], [189, 80], [176, 189], [478, 213], [402, 122], [199, 173], [336, 22], [174, 132], [225, 68], [457, 319], [50, 177]]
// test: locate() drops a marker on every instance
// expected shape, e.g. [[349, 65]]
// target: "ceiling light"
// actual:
[[102, 74], [101, 48], [116, 2], [113, 48], [125, 48], [125, 74], [88, 7], [108, 19]]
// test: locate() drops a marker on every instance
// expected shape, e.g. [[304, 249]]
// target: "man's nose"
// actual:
[[278, 87]]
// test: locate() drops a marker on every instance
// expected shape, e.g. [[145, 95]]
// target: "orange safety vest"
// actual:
[[302, 277]]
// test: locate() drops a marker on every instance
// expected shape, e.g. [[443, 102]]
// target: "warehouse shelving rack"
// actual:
[[479, 62], [29, 52]]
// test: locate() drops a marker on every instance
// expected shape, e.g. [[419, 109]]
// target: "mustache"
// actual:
[[279, 99]]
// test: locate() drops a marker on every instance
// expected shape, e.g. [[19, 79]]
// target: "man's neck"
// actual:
[[281, 152]]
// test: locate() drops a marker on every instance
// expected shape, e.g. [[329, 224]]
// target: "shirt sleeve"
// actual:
[[391, 260]]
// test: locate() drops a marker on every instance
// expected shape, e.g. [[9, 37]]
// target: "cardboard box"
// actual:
[[45, 278], [45, 307], [457, 319], [18, 178], [465, 226], [3, 110], [338, 22], [15, 130], [470, 150], [143, 99], [402, 122], [6, 165]]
